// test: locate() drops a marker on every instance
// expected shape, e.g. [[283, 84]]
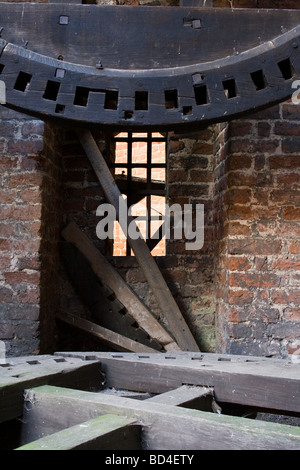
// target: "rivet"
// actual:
[[64, 20]]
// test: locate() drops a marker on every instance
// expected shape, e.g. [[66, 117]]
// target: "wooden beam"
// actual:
[[188, 396], [110, 277], [258, 382], [108, 432], [108, 337], [165, 427], [18, 374], [171, 314]]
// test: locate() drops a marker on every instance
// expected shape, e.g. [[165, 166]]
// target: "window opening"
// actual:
[[140, 171]]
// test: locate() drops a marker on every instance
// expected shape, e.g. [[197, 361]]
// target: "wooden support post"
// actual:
[[172, 316], [109, 277]]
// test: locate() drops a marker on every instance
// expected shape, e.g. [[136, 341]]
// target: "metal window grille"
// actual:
[[135, 175]]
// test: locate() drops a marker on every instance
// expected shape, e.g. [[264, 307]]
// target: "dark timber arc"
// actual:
[[176, 91]]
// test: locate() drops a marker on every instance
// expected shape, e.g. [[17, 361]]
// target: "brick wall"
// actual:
[[28, 208], [258, 304], [239, 294]]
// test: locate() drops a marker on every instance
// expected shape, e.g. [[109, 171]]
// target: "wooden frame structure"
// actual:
[[173, 401], [61, 75]]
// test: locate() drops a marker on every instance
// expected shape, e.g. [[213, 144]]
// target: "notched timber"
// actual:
[[109, 277], [97, 82], [22, 373], [270, 384]]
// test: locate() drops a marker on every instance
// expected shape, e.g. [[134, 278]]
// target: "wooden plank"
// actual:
[[18, 374], [111, 278], [188, 396], [257, 382], [172, 317], [108, 337], [165, 427], [108, 432], [105, 308]]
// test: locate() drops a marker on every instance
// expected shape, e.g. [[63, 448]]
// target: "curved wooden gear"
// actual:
[[146, 67]]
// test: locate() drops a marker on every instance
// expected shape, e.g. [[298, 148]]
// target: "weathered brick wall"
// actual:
[[259, 309], [28, 214], [190, 179]]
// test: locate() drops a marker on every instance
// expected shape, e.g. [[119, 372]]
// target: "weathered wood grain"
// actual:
[[115, 340], [111, 278], [18, 374], [173, 319], [108, 432], [272, 384], [218, 63], [165, 427]]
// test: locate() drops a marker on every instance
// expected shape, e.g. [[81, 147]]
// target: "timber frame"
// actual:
[[52, 69], [172, 401]]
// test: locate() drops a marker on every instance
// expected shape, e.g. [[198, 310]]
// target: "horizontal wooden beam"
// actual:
[[108, 432], [257, 382], [20, 373], [165, 427], [188, 396]]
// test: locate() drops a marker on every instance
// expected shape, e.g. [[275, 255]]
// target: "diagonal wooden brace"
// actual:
[[172, 317]]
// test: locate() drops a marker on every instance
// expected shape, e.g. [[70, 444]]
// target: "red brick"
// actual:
[[291, 213], [31, 195], [287, 128], [240, 297], [240, 212], [236, 228], [202, 148], [25, 179], [256, 280], [29, 147], [282, 297], [240, 263], [294, 248], [20, 277], [6, 163], [238, 196], [6, 295], [238, 162], [31, 296], [292, 314], [175, 146], [286, 265], [254, 246], [284, 162]]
